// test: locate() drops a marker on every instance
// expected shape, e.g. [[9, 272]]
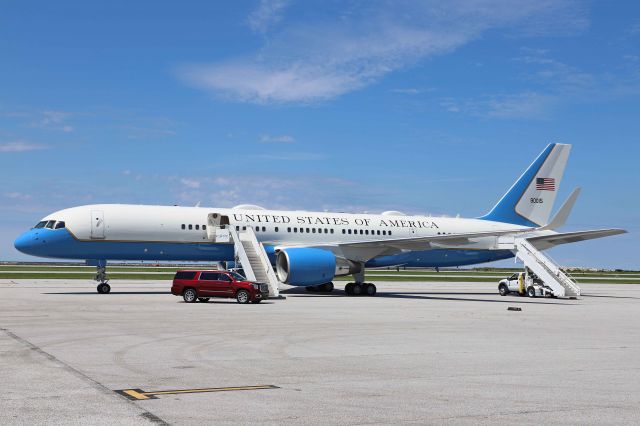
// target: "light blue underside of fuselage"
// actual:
[[60, 244]]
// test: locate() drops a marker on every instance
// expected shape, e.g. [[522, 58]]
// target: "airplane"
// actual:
[[311, 248]]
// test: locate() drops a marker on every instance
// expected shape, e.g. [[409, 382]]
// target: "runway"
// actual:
[[427, 353]]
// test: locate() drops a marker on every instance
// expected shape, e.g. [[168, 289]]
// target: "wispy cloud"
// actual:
[[320, 58], [20, 146], [55, 120], [276, 139], [528, 105], [17, 196], [295, 156], [190, 183], [268, 13]]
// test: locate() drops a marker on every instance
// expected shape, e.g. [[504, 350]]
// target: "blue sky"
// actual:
[[420, 106]]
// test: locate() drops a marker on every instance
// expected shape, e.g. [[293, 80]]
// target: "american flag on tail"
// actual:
[[545, 184]]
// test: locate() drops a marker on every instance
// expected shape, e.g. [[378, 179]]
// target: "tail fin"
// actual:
[[530, 200]]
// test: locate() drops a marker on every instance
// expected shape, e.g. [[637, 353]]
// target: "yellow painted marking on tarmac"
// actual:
[[134, 394], [139, 394]]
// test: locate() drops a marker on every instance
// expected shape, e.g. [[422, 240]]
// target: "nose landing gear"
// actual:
[[102, 278]]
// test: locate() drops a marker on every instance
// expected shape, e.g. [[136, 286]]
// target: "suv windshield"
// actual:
[[236, 276]]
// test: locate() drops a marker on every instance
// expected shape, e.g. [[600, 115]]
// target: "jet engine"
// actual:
[[311, 266]]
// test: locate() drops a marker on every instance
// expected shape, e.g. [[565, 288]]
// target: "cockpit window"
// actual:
[[40, 224], [50, 224], [59, 225]]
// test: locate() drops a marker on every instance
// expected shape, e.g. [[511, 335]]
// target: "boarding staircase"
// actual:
[[546, 269], [250, 253]]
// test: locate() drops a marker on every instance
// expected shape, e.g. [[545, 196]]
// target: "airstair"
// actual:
[[250, 253], [546, 269]]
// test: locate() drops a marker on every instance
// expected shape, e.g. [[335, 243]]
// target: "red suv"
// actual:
[[199, 285]]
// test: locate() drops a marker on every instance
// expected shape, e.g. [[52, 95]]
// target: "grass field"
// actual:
[[135, 272]]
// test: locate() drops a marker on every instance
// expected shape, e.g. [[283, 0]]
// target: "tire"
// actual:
[[203, 299], [370, 290], [311, 288], [349, 289], [327, 287], [503, 290], [357, 289], [531, 292], [242, 296], [190, 295], [104, 288]]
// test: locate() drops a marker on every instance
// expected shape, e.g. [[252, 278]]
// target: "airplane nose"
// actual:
[[24, 242]]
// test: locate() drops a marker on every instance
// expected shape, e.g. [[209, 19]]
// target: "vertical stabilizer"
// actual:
[[530, 200]]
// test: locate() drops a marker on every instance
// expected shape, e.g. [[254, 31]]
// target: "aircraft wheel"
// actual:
[[328, 287], [311, 288], [370, 289], [349, 289], [103, 288], [357, 289]]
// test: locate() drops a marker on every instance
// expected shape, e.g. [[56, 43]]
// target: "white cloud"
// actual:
[[20, 146], [190, 183], [17, 196], [528, 105], [320, 58], [276, 139], [56, 120], [268, 13]]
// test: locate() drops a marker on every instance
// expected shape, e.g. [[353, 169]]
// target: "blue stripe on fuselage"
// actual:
[[60, 244]]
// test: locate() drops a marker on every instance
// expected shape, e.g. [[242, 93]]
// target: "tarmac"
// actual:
[[427, 353]]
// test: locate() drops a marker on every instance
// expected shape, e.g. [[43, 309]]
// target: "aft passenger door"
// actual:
[[97, 224]]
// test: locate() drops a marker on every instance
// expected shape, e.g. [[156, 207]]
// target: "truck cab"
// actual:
[[524, 283]]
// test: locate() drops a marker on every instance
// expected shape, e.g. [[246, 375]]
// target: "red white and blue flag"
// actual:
[[545, 184]]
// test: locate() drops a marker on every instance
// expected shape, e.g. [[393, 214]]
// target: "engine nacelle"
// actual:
[[311, 266], [305, 266]]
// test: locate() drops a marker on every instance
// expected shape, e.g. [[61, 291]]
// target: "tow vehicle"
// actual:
[[201, 285], [524, 283]]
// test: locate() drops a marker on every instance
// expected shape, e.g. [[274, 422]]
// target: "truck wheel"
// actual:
[[242, 296], [190, 295], [531, 292], [503, 290]]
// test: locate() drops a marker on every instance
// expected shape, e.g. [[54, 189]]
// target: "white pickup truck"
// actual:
[[524, 283]]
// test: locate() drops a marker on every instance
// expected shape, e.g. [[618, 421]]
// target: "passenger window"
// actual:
[[384, 232], [264, 229], [378, 231], [244, 228], [295, 229], [344, 231], [209, 276], [190, 227], [349, 231], [276, 229], [184, 226], [361, 232], [257, 229], [332, 230], [366, 232], [307, 230], [389, 232], [288, 229], [204, 227], [314, 230], [60, 225], [197, 227]]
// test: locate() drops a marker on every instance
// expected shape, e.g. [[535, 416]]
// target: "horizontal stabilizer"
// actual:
[[548, 241]]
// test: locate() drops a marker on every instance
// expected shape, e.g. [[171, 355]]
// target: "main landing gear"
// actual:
[[360, 289], [102, 278]]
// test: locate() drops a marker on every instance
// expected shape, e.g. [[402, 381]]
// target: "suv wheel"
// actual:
[[242, 296], [503, 290], [190, 295]]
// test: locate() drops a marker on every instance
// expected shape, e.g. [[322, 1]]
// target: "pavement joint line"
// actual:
[[136, 394], [94, 383]]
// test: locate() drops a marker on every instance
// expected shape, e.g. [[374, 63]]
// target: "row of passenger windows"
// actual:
[[50, 224], [196, 227], [320, 230]]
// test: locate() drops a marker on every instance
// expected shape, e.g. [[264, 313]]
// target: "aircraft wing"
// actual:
[[365, 250], [548, 241]]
